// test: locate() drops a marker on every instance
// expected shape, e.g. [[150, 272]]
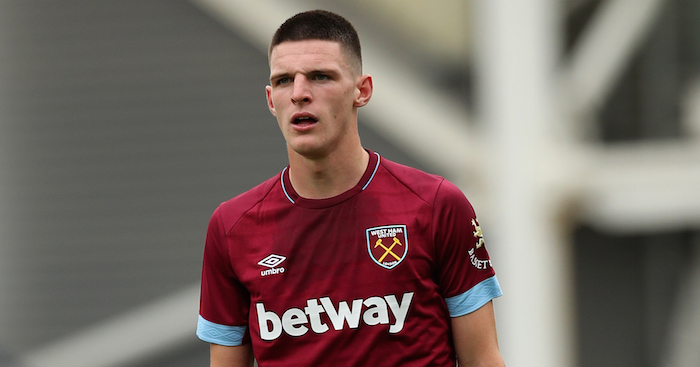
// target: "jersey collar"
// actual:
[[294, 198]]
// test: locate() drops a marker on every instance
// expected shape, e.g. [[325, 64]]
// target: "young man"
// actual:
[[344, 258]]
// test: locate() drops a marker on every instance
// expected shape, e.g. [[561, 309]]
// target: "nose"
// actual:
[[301, 92]]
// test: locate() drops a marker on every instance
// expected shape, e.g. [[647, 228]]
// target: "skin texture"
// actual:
[[223, 356], [475, 338], [318, 79]]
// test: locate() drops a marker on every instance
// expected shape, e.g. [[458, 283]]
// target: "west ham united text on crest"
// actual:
[[387, 245]]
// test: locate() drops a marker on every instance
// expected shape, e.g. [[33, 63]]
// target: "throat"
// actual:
[[316, 180]]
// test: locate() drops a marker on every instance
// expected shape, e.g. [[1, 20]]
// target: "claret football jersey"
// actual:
[[367, 278]]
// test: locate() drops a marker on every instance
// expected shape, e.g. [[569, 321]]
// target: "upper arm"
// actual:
[[224, 356], [466, 278], [475, 339], [461, 256], [224, 301]]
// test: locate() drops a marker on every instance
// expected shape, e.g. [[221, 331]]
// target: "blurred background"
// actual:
[[573, 126]]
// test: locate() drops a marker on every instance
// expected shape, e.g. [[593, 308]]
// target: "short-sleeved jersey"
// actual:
[[367, 278]]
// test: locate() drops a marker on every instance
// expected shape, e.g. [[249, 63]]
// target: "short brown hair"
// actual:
[[319, 25]]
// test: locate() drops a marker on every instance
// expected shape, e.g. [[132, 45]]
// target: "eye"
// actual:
[[321, 77], [283, 80]]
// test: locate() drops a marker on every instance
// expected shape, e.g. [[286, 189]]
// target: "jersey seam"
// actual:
[[432, 205], [249, 209], [230, 231]]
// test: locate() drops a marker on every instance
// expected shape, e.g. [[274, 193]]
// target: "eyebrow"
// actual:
[[278, 76], [329, 71]]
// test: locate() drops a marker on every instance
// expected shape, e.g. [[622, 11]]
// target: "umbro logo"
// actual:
[[271, 262]]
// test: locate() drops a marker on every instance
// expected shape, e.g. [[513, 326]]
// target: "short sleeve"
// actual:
[[224, 302], [466, 276]]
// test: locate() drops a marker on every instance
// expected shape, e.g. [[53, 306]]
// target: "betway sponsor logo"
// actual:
[[297, 322]]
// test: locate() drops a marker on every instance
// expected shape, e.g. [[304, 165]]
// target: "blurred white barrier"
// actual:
[[152, 330], [606, 48], [643, 187]]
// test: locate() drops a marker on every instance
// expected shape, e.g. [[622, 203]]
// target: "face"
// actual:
[[314, 92]]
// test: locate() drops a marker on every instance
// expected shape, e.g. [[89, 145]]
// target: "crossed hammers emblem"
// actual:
[[387, 250]]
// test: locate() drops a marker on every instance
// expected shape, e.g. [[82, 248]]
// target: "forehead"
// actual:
[[307, 54]]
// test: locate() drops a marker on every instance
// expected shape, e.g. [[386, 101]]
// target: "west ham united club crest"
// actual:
[[387, 245]]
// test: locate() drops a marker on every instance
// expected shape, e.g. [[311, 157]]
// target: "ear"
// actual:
[[270, 105], [364, 89]]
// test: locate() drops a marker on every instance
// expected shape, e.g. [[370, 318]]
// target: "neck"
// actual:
[[329, 176]]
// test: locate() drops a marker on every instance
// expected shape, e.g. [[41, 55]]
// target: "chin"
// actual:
[[309, 150]]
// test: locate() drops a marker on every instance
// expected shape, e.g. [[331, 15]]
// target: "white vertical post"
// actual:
[[518, 50]]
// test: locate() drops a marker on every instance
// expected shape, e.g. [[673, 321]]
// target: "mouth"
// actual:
[[303, 120]]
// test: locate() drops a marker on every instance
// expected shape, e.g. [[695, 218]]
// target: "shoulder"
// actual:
[[229, 212], [427, 186]]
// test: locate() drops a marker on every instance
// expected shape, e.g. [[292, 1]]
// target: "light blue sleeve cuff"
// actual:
[[474, 298], [220, 334]]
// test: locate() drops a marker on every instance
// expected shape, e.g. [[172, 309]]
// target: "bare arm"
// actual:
[[475, 339], [223, 356]]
